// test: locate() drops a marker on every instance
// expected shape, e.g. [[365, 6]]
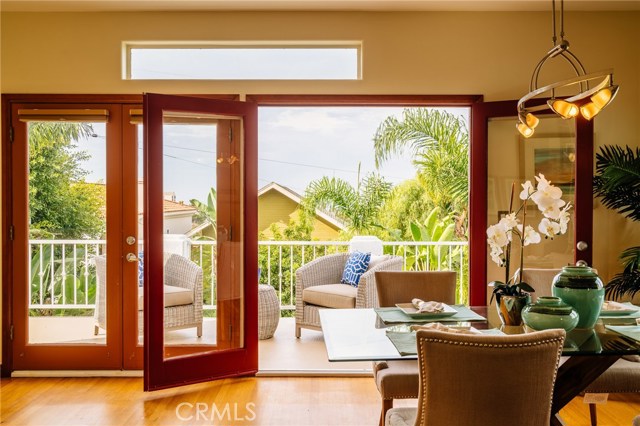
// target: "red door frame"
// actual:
[[161, 373], [481, 112], [17, 352]]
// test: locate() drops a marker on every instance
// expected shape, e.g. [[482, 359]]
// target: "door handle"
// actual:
[[131, 240], [582, 245], [131, 257]]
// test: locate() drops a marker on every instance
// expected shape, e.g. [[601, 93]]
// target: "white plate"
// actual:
[[411, 310], [616, 312]]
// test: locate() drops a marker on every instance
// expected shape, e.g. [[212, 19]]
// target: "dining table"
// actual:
[[362, 335]]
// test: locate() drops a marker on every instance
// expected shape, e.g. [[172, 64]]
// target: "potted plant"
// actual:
[[617, 183], [513, 294]]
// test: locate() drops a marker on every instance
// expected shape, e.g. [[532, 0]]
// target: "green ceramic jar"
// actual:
[[549, 312], [582, 288]]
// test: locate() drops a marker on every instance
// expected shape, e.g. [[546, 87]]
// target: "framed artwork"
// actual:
[[554, 157]]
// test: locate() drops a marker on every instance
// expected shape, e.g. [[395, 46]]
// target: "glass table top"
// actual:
[[360, 335]]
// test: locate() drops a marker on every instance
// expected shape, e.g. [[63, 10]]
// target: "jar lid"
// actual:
[[578, 270], [579, 277], [550, 305]]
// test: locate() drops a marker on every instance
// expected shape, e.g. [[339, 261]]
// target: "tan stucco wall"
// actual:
[[490, 53]]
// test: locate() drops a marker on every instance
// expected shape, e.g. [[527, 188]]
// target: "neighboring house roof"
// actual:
[[198, 228], [297, 198], [177, 208]]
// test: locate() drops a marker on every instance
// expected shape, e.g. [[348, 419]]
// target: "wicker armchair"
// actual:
[[318, 287], [180, 274]]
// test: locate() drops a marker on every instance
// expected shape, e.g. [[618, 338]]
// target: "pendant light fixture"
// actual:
[[587, 101]]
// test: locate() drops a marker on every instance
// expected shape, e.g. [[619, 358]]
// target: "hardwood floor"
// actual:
[[250, 401]]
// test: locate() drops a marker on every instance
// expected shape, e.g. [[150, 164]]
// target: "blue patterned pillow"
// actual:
[[140, 269], [356, 265]]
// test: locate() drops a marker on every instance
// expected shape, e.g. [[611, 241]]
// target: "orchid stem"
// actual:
[[508, 254]]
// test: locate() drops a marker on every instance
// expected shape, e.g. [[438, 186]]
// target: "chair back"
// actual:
[[487, 380], [400, 287], [540, 280]]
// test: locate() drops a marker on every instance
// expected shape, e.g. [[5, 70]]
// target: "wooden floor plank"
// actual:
[[299, 401]]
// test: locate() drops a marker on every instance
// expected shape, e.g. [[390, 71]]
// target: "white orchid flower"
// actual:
[[497, 235], [509, 222], [529, 236], [563, 219], [552, 211], [545, 192], [527, 190], [549, 227], [496, 255]]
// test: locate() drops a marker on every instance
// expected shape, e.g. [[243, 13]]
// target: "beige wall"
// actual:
[[490, 53]]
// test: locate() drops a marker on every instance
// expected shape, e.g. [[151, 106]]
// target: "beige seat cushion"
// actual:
[[402, 416], [173, 296], [376, 260], [338, 296]]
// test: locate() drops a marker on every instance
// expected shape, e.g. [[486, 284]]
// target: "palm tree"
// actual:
[[358, 207], [439, 142], [617, 183]]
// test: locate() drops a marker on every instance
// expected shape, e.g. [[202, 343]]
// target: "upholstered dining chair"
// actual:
[[318, 287], [463, 378], [399, 379]]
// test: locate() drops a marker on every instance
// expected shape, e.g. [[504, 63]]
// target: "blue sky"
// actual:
[[296, 145]]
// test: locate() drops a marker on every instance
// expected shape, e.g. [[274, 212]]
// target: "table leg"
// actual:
[[574, 376]]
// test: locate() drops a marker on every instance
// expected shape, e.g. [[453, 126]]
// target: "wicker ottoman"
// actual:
[[268, 311]]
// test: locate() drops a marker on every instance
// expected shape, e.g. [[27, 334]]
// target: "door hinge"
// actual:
[[11, 232], [230, 134], [230, 331], [11, 332], [10, 133], [230, 233]]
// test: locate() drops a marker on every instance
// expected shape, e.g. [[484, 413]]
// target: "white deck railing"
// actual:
[[63, 275]]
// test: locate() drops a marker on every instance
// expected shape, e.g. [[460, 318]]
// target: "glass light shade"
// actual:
[[590, 110], [524, 130], [531, 120], [604, 96], [563, 108]]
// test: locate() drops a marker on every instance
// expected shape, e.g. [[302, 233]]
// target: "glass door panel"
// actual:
[[499, 157], [67, 226], [200, 264], [512, 160]]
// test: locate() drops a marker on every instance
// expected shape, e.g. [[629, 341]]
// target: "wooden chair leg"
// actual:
[[298, 329], [387, 404], [199, 330], [96, 330], [593, 415]]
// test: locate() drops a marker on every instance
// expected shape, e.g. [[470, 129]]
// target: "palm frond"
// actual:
[[623, 284], [420, 130], [630, 259], [617, 179]]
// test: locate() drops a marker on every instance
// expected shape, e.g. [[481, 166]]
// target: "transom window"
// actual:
[[278, 61]]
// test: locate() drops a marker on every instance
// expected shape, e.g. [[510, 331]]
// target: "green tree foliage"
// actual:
[[439, 142], [61, 203], [357, 207], [278, 265], [407, 203], [207, 213]]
